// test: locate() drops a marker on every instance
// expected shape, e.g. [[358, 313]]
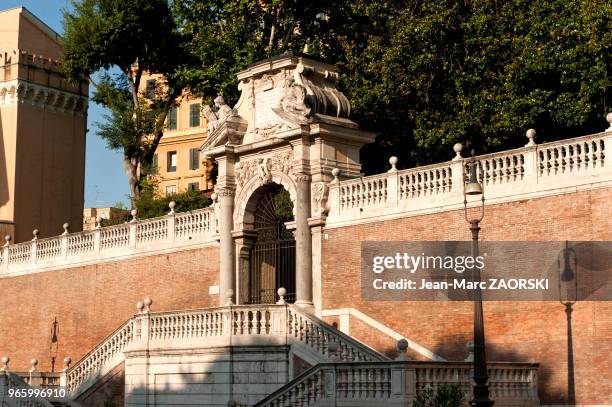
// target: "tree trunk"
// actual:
[[131, 166]]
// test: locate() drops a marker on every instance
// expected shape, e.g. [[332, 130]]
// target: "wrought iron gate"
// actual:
[[272, 259]]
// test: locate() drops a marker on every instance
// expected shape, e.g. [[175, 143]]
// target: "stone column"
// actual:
[[303, 242], [226, 244]]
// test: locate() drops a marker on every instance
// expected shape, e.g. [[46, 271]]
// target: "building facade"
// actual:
[[177, 164], [43, 120]]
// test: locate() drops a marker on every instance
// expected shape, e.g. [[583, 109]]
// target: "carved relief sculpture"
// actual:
[[320, 191], [263, 168]]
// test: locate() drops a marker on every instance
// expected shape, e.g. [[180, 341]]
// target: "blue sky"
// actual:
[[105, 181]]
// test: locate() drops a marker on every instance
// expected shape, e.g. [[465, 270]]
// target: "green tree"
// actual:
[[122, 40], [443, 396], [226, 36], [426, 75]]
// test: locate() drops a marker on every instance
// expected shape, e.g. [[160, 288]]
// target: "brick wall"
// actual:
[[90, 302], [516, 331]]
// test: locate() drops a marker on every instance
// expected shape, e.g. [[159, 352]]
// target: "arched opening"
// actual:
[[272, 256]]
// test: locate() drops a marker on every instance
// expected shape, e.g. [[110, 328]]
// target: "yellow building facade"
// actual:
[[43, 121], [177, 161]]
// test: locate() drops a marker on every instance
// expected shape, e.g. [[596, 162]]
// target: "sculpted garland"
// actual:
[[263, 167]]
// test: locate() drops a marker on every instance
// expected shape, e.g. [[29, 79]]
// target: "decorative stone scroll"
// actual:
[[262, 168], [319, 193]]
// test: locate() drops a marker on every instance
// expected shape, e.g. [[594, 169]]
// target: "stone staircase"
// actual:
[[237, 325], [397, 383], [343, 371]]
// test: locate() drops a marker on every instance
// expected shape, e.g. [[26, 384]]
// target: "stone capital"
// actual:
[[301, 177]]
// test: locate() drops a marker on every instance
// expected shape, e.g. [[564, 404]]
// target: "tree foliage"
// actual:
[[226, 36], [426, 75], [122, 40], [152, 205], [443, 396]]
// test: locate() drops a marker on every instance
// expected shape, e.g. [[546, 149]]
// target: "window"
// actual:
[[194, 159], [172, 118], [170, 189], [194, 115], [193, 186], [150, 88], [172, 158]]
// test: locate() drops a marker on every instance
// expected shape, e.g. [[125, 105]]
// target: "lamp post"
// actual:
[[480, 390], [567, 265]]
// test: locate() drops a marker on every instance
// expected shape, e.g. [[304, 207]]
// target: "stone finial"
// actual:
[[393, 162], [66, 226], [470, 348], [147, 304], [457, 148], [5, 362], [214, 196], [99, 220], [133, 212], [402, 348], [35, 234], [140, 307], [230, 297], [7, 239], [609, 119], [335, 173], [33, 363], [171, 205], [281, 295], [67, 362], [531, 135]]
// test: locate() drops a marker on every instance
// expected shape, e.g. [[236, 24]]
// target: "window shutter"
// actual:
[[194, 159]]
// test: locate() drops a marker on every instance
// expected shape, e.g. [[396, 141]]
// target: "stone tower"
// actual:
[[43, 120]]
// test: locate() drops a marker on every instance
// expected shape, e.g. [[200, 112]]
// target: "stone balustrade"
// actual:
[[398, 383], [274, 324], [10, 380], [175, 230], [529, 172]]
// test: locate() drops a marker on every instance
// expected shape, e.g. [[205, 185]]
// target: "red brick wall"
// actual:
[[518, 331], [90, 302]]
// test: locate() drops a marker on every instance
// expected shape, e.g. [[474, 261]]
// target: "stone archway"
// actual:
[[271, 255]]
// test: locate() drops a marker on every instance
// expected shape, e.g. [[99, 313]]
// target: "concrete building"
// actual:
[[43, 120], [206, 330], [177, 162]]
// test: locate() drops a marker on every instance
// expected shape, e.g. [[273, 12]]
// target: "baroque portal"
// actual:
[[275, 150]]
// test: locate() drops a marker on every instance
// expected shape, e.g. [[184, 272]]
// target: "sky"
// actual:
[[105, 182]]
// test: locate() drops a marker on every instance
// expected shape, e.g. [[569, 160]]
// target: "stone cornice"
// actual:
[[16, 92]]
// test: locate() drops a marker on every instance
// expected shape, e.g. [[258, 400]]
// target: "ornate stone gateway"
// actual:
[[272, 257], [290, 128]]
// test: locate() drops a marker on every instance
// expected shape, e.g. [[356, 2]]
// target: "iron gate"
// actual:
[[272, 257]]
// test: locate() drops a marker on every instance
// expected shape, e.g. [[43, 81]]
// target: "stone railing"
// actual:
[[398, 383], [527, 172], [238, 325], [169, 232], [10, 380]]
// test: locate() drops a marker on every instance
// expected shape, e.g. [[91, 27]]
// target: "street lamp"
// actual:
[[567, 265], [471, 186]]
